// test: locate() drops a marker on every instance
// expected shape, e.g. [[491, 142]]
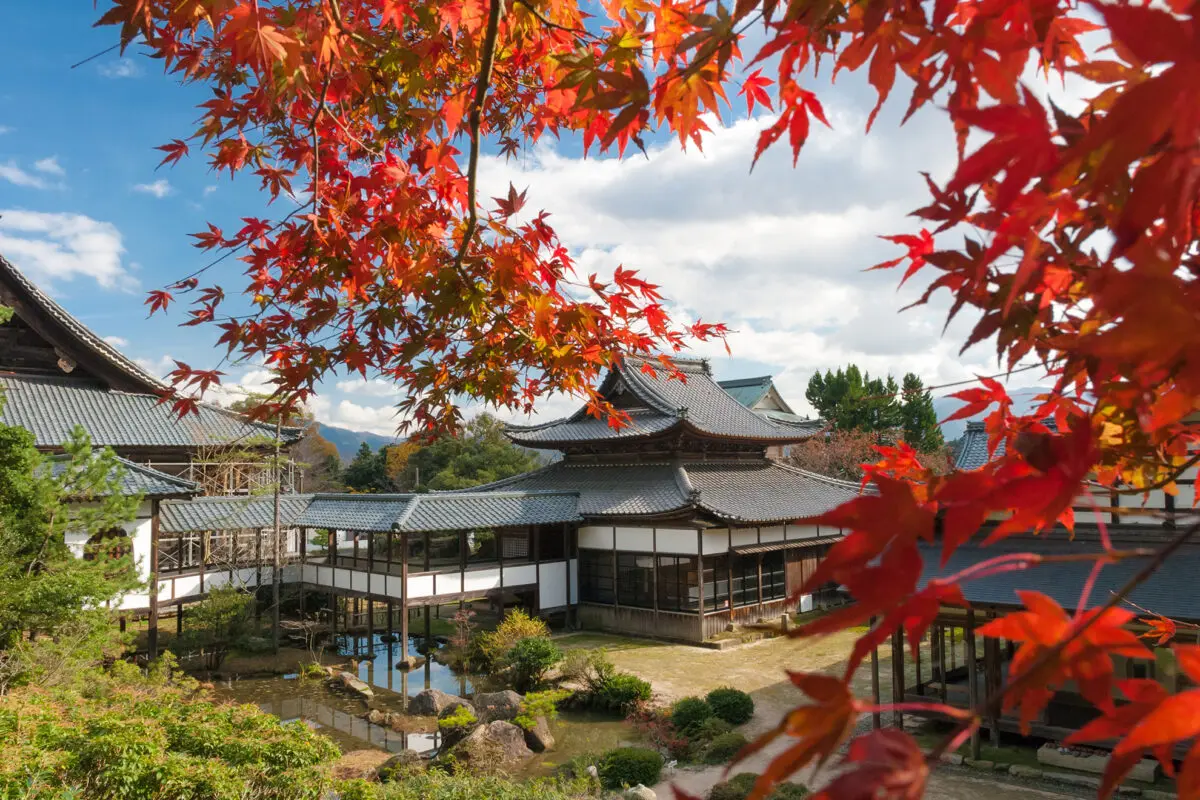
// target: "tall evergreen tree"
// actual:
[[479, 454], [368, 471], [921, 429], [852, 400]]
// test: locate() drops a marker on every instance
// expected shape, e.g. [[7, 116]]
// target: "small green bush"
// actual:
[[732, 705], [491, 648], [457, 720], [530, 659], [540, 704], [629, 766], [710, 729], [739, 786], [724, 747], [619, 692], [687, 714]]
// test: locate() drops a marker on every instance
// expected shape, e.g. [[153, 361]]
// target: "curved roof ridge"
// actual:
[[83, 334], [826, 478]]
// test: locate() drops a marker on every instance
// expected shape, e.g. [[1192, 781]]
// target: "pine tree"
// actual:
[[921, 429]]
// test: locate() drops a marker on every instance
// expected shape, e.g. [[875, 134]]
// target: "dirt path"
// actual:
[[677, 671]]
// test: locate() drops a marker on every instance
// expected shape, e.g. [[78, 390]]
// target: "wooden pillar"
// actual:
[[567, 549], [876, 722], [152, 623], [179, 620], [404, 600], [991, 658], [371, 626], [121, 623], [428, 634], [953, 655], [700, 576], [972, 677], [332, 547], [920, 687], [534, 544], [942, 661], [898, 675]]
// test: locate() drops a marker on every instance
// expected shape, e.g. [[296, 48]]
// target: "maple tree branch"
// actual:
[[1163, 482], [1147, 611], [992, 704], [552, 24], [487, 58]]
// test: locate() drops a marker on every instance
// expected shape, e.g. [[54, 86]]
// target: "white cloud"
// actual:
[[117, 341], [12, 172], [160, 188], [50, 166], [372, 388], [348, 414], [63, 246], [121, 68], [209, 190], [5, 129]]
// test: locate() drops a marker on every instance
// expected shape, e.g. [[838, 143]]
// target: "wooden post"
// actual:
[[953, 655], [179, 620], [972, 677], [428, 633], [898, 676], [567, 549], [371, 626], [699, 576], [404, 600], [152, 622], [876, 721], [991, 657], [277, 538], [332, 547], [534, 544], [942, 661], [920, 687]]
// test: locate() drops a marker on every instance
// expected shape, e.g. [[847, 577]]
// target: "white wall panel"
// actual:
[[421, 586], [247, 577], [596, 538], [677, 540], [771, 534], [187, 585], [358, 581], [552, 590], [743, 536], [716, 542], [341, 578], [394, 586], [481, 580], [635, 540], [522, 575], [804, 531], [448, 583]]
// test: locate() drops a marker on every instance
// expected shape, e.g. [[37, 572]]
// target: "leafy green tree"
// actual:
[[368, 471], [852, 400], [481, 453], [921, 429], [44, 585]]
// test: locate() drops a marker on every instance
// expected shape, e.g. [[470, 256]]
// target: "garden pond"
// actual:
[[342, 717]]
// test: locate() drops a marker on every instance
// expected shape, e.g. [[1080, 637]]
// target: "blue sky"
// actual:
[[777, 253]]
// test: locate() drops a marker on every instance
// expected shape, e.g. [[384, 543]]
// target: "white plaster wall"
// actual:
[[552, 586], [517, 576], [421, 586], [716, 541], [743, 536], [394, 586], [186, 585], [448, 583], [481, 580], [803, 531], [681, 541], [771, 534], [596, 538], [635, 540]]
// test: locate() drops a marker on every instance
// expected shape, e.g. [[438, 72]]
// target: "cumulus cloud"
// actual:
[[49, 166], [159, 188], [120, 68], [54, 247], [13, 173], [117, 341], [357, 417], [371, 388]]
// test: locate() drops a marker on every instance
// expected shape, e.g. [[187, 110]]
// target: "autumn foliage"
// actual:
[[1068, 237]]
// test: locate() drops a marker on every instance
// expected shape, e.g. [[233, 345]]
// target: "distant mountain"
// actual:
[[1023, 402], [347, 441]]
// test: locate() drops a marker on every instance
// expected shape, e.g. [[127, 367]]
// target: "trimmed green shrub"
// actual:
[[540, 704], [457, 720], [620, 691], [687, 714], [491, 648], [629, 766], [529, 660], [732, 705], [710, 729], [739, 786], [723, 748]]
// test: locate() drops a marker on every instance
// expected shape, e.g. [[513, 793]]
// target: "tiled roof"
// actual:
[[376, 513], [664, 402], [50, 407], [810, 426], [230, 513], [748, 391], [79, 332], [973, 447], [1170, 591], [137, 479], [735, 491]]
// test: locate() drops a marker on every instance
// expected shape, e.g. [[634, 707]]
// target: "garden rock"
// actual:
[[640, 792], [377, 717], [431, 703], [353, 684], [494, 746], [538, 738], [494, 706]]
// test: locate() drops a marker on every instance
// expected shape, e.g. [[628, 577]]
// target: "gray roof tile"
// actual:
[[606, 489], [766, 491], [440, 512], [50, 407], [665, 402], [230, 513], [1170, 591], [137, 479]]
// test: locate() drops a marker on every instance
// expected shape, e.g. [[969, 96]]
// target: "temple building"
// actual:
[[762, 397]]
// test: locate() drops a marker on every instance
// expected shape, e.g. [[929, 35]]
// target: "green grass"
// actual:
[[593, 641]]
